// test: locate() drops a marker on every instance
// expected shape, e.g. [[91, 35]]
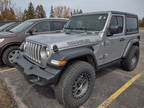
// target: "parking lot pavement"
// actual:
[[108, 81]]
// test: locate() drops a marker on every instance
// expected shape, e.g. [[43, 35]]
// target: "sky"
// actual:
[[132, 6]]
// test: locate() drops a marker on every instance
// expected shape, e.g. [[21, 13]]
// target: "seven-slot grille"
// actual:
[[32, 50]]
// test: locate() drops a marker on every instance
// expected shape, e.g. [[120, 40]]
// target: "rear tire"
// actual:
[[130, 62], [7, 55], [76, 84]]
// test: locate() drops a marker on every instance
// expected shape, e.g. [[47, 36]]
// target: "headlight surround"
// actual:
[[44, 53], [24, 45], [1, 40]]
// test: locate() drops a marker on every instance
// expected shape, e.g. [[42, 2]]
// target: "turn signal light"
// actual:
[[61, 63], [58, 63]]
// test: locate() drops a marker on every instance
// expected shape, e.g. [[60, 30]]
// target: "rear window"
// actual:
[[131, 25]]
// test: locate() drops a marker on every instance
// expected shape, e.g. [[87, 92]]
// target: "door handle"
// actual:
[[122, 39]]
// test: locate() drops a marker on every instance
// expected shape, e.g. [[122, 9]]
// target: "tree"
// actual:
[[77, 12], [40, 13], [62, 12], [30, 14], [19, 14], [13, 16], [80, 12], [8, 14], [52, 12], [6, 10], [141, 22], [24, 15], [5, 4]]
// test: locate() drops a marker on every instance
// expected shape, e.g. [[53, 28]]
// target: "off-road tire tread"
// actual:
[[65, 76], [126, 61]]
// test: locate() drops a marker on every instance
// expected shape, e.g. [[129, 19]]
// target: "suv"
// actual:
[[69, 60], [11, 40]]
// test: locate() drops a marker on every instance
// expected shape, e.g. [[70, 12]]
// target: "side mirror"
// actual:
[[113, 30], [32, 31]]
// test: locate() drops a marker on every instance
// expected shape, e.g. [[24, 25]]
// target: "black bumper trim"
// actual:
[[49, 74]]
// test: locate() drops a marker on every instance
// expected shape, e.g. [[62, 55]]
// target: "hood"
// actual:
[[6, 34], [64, 41]]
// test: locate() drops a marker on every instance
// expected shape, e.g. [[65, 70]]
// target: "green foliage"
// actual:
[[141, 22], [77, 12], [52, 12], [40, 13], [30, 12]]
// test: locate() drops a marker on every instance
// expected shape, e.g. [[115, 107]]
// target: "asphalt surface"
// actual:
[[108, 81]]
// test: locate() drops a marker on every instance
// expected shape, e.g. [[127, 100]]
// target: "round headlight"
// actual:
[[47, 52], [44, 53]]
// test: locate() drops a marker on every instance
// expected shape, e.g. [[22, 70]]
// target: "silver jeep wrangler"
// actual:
[[70, 60]]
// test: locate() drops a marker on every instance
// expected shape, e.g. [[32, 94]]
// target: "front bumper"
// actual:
[[36, 74]]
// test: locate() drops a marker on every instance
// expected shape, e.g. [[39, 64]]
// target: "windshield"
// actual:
[[21, 27], [87, 22], [5, 26]]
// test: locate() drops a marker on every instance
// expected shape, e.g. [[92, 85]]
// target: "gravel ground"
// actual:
[[5, 99]]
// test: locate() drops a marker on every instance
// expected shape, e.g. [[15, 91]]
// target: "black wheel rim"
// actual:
[[11, 55], [80, 85]]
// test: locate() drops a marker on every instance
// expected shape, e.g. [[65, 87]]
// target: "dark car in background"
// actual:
[[10, 41], [8, 26], [3, 22]]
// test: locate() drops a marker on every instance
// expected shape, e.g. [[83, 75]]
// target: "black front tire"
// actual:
[[64, 89], [5, 57], [130, 62]]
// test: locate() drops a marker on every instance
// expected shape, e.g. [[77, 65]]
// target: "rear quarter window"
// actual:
[[131, 25]]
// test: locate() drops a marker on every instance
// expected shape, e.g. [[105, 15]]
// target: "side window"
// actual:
[[131, 25], [117, 21], [42, 27], [57, 25]]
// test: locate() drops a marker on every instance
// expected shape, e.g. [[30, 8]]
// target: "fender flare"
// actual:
[[73, 53], [76, 53], [129, 46]]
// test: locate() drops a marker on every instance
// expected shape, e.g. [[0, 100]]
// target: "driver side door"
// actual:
[[115, 44]]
